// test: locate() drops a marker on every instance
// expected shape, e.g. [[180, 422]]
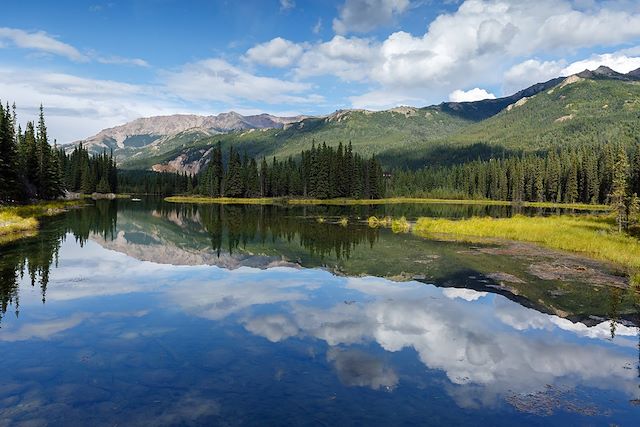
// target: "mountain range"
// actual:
[[587, 106]]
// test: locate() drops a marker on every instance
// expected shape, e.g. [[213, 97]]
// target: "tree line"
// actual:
[[321, 172], [582, 174], [31, 168], [88, 174]]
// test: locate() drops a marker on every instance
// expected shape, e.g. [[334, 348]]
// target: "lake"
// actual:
[[150, 313]]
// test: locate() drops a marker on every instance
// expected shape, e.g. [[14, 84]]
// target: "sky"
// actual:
[[96, 64]]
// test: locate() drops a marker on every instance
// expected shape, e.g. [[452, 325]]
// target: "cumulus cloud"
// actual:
[[40, 41], [217, 80], [348, 58], [358, 369], [278, 52], [616, 61], [365, 15], [275, 327], [475, 94], [530, 72], [534, 71], [476, 45]]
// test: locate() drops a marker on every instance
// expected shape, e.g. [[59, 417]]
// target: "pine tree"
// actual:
[[619, 187], [571, 192], [9, 160], [233, 178]]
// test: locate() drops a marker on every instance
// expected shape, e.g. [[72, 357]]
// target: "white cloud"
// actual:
[[348, 58], [616, 61], [119, 60], [530, 72], [287, 4], [40, 41], [42, 330], [218, 80], [534, 71], [365, 15], [471, 95], [100, 103], [318, 27], [384, 99], [476, 45], [463, 293], [278, 52]]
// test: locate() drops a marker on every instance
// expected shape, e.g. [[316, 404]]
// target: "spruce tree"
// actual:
[[233, 178], [619, 185], [571, 192], [9, 160]]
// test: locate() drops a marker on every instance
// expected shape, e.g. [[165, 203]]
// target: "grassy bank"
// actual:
[[394, 200], [224, 200], [20, 221], [593, 236]]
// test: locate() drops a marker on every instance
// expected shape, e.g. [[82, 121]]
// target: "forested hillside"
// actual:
[[591, 107]]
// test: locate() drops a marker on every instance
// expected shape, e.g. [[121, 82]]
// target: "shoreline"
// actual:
[[592, 236], [17, 222], [393, 200]]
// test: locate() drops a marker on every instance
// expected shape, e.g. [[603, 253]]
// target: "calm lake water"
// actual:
[[152, 313]]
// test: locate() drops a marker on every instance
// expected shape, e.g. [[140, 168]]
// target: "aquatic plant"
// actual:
[[400, 225]]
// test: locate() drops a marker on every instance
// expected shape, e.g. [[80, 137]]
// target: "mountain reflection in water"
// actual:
[[184, 314]]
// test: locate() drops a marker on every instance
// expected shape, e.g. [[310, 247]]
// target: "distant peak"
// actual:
[[600, 72], [603, 69]]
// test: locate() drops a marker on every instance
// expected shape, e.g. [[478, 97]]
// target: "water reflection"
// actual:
[[207, 344], [270, 236]]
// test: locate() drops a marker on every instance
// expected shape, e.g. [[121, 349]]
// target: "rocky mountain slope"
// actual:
[[588, 106], [160, 133]]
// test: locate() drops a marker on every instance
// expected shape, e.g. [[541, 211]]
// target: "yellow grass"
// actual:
[[20, 221], [394, 200], [223, 200], [410, 200], [400, 225], [593, 236], [375, 222], [11, 223]]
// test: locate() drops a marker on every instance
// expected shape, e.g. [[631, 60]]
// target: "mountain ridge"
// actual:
[[187, 138]]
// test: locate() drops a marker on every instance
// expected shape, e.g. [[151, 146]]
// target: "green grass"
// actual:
[[223, 200], [593, 236], [17, 222], [394, 200]]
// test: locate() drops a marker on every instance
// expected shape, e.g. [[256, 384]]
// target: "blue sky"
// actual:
[[97, 64]]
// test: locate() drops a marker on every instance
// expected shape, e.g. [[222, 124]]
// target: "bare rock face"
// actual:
[[149, 131], [183, 164]]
